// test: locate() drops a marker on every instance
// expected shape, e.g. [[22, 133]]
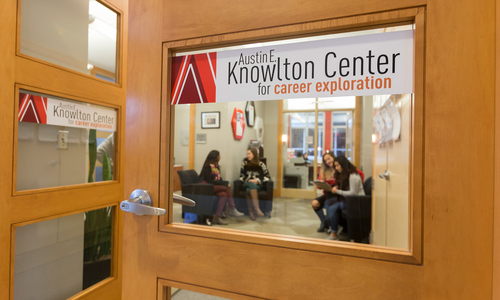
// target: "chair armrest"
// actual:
[[198, 189], [358, 206], [203, 195], [269, 187], [358, 214], [237, 184]]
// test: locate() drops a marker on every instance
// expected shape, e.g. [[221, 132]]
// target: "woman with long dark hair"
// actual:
[[347, 182], [253, 174], [210, 173], [326, 174]]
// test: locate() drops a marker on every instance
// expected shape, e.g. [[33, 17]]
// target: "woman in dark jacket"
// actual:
[[253, 174], [210, 173]]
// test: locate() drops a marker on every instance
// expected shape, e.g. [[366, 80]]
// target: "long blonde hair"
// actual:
[[325, 171]]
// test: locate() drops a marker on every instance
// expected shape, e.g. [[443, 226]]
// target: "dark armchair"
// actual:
[[201, 193], [358, 214], [265, 197]]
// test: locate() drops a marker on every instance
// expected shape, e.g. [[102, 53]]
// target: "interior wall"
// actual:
[[181, 135], [232, 151], [366, 145], [271, 138], [40, 164]]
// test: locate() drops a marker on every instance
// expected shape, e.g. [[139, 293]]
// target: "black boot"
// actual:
[[324, 226]]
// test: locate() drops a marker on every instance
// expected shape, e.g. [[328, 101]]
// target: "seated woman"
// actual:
[[347, 182], [326, 174], [253, 174], [210, 173]]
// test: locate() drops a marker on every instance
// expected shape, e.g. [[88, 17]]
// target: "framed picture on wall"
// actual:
[[210, 119]]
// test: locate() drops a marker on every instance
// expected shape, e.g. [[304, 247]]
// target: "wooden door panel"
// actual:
[[379, 198], [274, 272], [398, 163], [25, 207], [443, 274]]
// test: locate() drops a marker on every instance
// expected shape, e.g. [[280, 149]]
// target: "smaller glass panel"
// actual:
[[80, 35], [337, 103], [63, 142], [178, 294], [298, 152], [300, 104], [58, 258]]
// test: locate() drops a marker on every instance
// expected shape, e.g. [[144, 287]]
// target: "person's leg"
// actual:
[[318, 205], [221, 194], [232, 207], [333, 213], [254, 193], [251, 211]]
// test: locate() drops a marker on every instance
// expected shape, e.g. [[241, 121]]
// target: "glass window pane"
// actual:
[[291, 212], [58, 258], [339, 119], [297, 138], [63, 142], [80, 35], [386, 119], [337, 103], [299, 104]]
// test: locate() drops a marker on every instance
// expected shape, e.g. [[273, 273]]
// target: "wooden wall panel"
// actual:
[[283, 273], [142, 142], [459, 116], [496, 224], [194, 18], [7, 92]]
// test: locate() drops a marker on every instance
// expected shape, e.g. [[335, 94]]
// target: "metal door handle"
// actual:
[[385, 175], [140, 203], [183, 200]]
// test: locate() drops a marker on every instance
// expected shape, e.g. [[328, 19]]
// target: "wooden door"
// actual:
[[390, 199], [440, 263], [20, 207]]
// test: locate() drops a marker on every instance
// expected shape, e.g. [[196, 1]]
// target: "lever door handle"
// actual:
[[140, 203], [385, 175], [183, 200]]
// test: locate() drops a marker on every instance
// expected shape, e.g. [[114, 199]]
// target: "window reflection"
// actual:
[[80, 35], [58, 258], [63, 142]]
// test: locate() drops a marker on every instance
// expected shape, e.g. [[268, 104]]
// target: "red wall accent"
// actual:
[[328, 130]]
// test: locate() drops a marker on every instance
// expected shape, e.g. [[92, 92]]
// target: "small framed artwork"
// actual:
[[210, 119]]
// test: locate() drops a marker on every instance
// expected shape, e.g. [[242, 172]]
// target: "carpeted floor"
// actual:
[[290, 216]]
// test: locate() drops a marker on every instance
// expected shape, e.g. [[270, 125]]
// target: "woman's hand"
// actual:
[[254, 181], [334, 190]]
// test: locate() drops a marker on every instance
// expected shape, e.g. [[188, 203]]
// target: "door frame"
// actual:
[[398, 17]]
